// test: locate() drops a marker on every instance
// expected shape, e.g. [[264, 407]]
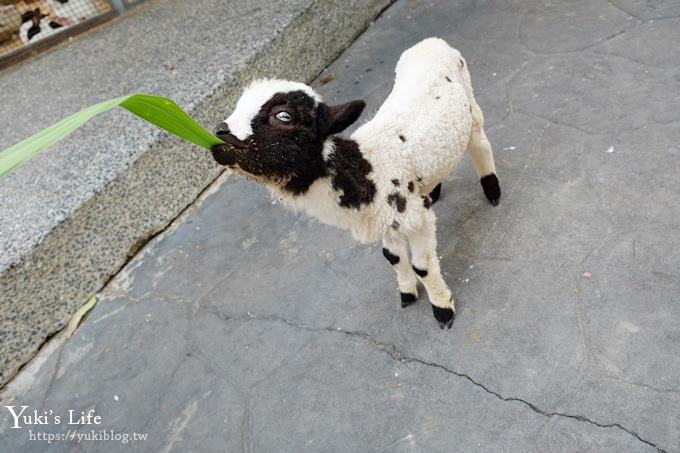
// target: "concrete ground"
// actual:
[[245, 327]]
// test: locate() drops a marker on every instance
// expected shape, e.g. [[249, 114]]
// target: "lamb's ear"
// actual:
[[340, 117]]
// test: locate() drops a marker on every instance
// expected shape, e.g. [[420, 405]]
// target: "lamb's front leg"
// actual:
[[426, 264], [395, 250]]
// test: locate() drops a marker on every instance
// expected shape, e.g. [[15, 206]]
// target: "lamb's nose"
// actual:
[[221, 129]]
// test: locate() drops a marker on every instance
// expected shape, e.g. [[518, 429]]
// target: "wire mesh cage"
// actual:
[[24, 23]]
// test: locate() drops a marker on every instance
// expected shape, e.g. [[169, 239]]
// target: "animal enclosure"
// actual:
[[27, 26]]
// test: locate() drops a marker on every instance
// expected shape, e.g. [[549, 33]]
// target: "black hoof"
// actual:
[[407, 299], [436, 193], [492, 189], [444, 316]]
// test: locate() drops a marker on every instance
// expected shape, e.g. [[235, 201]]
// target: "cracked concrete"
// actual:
[[393, 352], [245, 327]]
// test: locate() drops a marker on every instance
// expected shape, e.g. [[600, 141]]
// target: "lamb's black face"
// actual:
[[280, 141]]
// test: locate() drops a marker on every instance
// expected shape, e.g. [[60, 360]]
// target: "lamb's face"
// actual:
[[278, 129]]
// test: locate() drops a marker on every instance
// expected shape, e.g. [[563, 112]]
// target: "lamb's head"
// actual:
[[277, 132]]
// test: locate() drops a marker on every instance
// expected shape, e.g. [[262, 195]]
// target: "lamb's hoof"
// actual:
[[492, 189], [408, 299], [444, 316]]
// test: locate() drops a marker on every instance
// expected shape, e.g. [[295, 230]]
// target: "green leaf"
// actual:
[[157, 110]]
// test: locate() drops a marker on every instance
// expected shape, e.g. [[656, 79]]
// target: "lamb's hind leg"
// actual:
[[395, 250], [482, 156], [426, 264]]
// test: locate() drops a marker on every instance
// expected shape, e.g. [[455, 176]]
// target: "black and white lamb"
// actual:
[[381, 182]]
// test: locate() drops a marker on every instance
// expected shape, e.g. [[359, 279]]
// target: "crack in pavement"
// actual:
[[397, 355]]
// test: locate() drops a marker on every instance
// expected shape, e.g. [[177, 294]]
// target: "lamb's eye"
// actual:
[[284, 117]]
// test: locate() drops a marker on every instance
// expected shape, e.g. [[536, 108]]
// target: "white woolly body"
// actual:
[[430, 107]]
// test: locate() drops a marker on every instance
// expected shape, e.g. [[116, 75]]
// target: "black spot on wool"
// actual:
[[349, 174], [422, 273], [447, 79], [436, 193], [402, 138], [393, 259], [395, 182], [395, 199], [411, 186], [34, 30]]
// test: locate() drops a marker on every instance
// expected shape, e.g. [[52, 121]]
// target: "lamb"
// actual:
[[35, 28], [381, 182]]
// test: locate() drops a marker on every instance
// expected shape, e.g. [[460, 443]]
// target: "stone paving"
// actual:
[[245, 327]]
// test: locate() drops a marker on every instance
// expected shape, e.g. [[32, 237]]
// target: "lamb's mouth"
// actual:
[[233, 153], [225, 154], [231, 139], [228, 152]]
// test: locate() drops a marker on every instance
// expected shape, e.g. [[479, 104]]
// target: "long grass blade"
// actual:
[[157, 110]]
